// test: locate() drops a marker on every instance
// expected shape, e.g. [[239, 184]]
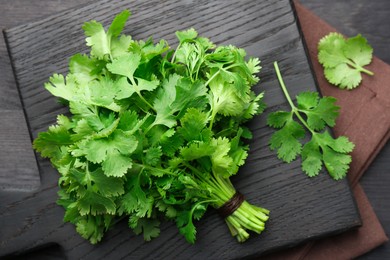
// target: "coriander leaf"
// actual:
[[95, 204], [224, 99], [322, 149], [189, 232], [278, 119], [116, 164], [90, 228], [107, 186], [192, 124], [111, 151], [102, 93], [189, 34], [120, 46], [311, 158], [186, 226], [254, 107], [196, 150], [82, 67], [286, 140], [319, 112], [98, 39], [125, 65], [221, 161], [343, 60], [149, 227], [49, 143], [67, 89], [118, 23], [153, 156], [333, 155], [358, 50], [128, 121], [177, 94]]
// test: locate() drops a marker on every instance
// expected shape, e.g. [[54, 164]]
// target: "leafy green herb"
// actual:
[[313, 114], [152, 133], [344, 59]]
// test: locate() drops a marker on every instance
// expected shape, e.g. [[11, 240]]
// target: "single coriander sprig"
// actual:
[[313, 114], [344, 59]]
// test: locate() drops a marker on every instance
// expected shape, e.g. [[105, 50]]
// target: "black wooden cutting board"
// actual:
[[301, 208]]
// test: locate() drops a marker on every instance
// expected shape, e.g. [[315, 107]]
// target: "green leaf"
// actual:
[[49, 143], [192, 124], [343, 60], [224, 99], [90, 228], [358, 50], [107, 186], [153, 156], [99, 40], [125, 65], [279, 118], [82, 67], [319, 112], [111, 151], [221, 161], [67, 89], [149, 227], [189, 34], [95, 204], [177, 94], [118, 24], [311, 158], [286, 141], [116, 164]]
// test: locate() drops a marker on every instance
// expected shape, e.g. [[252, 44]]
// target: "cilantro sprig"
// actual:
[[152, 133], [344, 59], [311, 114]]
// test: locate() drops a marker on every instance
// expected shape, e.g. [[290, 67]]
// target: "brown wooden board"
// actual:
[[301, 208]]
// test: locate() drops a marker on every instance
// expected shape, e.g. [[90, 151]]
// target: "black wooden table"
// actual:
[[17, 161]]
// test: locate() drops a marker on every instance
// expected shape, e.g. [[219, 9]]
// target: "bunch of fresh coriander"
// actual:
[[152, 133]]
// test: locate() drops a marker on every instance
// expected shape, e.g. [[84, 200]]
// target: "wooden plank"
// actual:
[[17, 157], [302, 208]]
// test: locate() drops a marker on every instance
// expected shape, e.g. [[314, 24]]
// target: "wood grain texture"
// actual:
[[18, 170], [302, 208], [19, 146]]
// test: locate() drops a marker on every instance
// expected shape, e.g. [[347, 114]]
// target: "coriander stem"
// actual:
[[216, 73], [281, 82], [360, 68], [212, 77], [296, 112], [294, 109], [139, 94], [143, 166], [366, 71], [213, 114], [174, 54]]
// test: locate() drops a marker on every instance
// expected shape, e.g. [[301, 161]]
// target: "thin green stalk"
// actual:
[[281, 82], [216, 73], [359, 68], [211, 78], [143, 166], [139, 94], [294, 109], [213, 114]]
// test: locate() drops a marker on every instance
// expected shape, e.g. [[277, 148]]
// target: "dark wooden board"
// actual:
[[301, 208]]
